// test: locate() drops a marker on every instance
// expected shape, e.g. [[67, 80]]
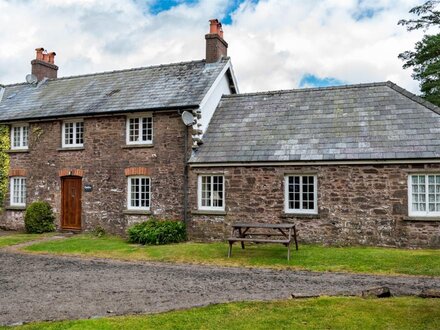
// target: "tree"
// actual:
[[425, 60], [428, 16]]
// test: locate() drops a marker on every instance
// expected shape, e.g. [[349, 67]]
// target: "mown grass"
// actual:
[[309, 257], [318, 313], [17, 238]]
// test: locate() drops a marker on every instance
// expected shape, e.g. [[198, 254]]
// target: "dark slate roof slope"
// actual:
[[155, 87], [356, 122]]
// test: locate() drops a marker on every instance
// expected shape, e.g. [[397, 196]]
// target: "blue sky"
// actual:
[[364, 10], [310, 80], [273, 44], [159, 6]]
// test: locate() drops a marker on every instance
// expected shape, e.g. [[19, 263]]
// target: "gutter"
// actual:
[[100, 114], [316, 163]]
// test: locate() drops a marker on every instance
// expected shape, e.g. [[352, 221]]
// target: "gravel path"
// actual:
[[35, 287]]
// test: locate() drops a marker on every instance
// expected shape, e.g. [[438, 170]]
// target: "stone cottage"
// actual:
[[107, 149], [355, 164]]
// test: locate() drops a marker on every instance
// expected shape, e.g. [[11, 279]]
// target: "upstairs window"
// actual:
[[211, 192], [18, 191], [301, 194], [424, 195], [138, 197], [140, 130], [73, 134], [19, 137]]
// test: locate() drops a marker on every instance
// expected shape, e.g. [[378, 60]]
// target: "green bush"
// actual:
[[39, 218], [157, 232], [98, 231]]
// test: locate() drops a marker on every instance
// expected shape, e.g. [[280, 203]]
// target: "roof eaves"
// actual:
[[103, 114], [413, 97], [217, 80]]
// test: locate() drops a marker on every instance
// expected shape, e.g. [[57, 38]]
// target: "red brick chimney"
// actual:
[[44, 65], [216, 46]]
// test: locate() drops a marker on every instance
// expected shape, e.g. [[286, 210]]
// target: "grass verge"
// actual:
[[17, 238], [319, 313], [309, 257]]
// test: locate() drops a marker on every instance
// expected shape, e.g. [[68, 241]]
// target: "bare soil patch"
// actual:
[[36, 287]]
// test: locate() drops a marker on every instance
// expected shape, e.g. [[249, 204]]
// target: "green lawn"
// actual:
[[319, 313], [15, 238], [310, 257]]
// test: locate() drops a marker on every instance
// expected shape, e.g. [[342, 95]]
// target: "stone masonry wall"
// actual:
[[358, 205], [104, 158]]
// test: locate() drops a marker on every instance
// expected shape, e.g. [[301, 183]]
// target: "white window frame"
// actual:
[[21, 128], [425, 213], [63, 134], [127, 129], [22, 190], [139, 208], [301, 210], [199, 193]]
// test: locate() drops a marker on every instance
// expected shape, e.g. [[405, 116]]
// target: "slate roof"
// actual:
[[356, 122], [155, 87]]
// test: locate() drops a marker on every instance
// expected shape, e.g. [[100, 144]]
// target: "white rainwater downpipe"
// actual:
[[2, 91]]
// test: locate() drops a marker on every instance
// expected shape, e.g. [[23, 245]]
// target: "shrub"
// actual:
[[98, 231], [157, 232], [39, 218]]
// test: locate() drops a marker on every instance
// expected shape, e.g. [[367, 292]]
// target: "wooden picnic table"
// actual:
[[282, 233]]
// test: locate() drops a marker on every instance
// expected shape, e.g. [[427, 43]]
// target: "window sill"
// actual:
[[15, 208], [131, 146], [300, 215], [415, 218], [208, 212], [13, 151], [137, 212], [70, 149]]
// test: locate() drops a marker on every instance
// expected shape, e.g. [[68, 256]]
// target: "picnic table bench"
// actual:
[[283, 233]]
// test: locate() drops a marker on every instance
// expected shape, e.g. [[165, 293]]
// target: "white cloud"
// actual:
[[272, 43]]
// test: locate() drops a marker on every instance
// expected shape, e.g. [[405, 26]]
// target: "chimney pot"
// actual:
[[44, 64], [213, 26], [39, 53]]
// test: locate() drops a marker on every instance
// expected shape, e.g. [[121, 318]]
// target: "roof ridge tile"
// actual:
[[123, 70], [311, 89]]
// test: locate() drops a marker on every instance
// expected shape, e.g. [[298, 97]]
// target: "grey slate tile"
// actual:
[[172, 85], [367, 121]]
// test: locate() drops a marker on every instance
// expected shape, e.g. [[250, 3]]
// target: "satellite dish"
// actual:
[[187, 118], [31, 79]]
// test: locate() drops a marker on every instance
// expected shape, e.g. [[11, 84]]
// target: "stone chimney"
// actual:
[[44, 65], [216, 46]]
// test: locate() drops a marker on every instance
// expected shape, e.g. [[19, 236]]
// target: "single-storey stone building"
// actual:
[[349, 165], [355, 164]]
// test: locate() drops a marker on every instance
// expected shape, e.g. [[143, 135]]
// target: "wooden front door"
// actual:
[[71, 188]]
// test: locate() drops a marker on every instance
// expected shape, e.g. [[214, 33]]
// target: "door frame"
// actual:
[[63, 178]]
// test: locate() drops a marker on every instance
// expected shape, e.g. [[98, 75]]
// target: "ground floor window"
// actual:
[[18, 191], [211, 192], [424, 194], [301, 194], [138, 193]]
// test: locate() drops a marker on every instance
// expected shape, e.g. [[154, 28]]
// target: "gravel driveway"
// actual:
[[34, 288]]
